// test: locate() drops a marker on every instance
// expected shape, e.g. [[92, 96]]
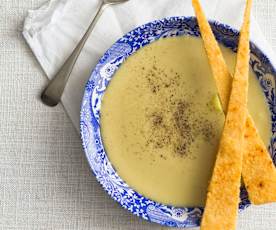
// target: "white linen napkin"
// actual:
[[53, 31]]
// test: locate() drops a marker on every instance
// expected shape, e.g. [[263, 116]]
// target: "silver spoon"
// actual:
[[52, 93]]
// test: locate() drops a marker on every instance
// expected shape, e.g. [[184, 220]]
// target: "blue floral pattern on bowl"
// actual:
[[91, 104]]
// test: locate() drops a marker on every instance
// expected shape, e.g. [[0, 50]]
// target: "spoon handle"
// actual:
[[52, 93]]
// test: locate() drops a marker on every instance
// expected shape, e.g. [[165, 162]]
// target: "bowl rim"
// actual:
[[182, 18]]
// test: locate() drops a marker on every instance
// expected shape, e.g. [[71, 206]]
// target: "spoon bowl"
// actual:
[[113, 2]]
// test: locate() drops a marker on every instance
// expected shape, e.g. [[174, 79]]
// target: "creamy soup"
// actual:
[[161, 120]]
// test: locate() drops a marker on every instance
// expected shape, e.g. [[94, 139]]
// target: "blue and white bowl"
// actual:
[[91, 105]]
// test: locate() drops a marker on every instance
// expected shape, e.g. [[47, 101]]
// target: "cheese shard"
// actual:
[[224, 189], [258, 171]]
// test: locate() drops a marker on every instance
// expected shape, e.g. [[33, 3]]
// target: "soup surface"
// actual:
[[161, 120]]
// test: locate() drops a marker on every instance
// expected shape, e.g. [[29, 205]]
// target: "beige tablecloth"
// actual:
[[45, 182]]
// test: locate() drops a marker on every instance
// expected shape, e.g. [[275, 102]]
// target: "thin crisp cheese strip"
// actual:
[[218, 65], [224, 189], [258, 171]]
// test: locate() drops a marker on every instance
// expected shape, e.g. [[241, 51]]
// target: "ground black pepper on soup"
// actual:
[[161, 120]]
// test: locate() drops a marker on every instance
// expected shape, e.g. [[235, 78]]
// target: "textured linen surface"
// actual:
[[45, 182]]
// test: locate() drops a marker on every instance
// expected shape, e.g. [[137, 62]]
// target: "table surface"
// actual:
[[45, 181]]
